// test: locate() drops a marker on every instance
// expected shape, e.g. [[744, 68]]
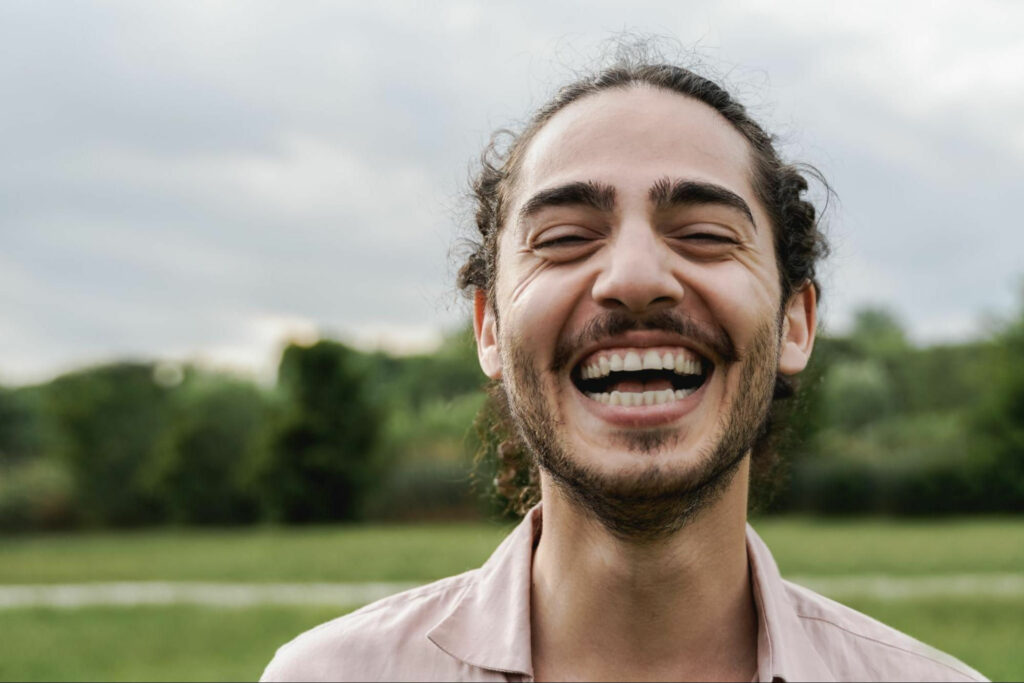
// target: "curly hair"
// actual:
[[780, 186]]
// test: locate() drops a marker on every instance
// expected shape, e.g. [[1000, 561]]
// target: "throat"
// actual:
[[679, 609]]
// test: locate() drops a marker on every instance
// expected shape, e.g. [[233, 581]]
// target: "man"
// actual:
[[644, 287]]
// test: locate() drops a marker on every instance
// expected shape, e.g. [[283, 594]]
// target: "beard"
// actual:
[[647, 503]]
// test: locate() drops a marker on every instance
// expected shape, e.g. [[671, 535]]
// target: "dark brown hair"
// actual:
[[780, 187]]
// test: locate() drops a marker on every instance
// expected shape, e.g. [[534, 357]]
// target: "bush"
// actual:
[[425, 490], [857, 393], [999, 420], [322, 460], [106, 421], [842, 486], [36, 494], [201, 464], [20, 434], [833, 487]]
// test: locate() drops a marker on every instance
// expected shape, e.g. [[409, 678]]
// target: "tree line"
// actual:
[[881, 426]]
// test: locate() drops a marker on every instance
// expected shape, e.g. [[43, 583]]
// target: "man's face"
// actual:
[[639, 326]]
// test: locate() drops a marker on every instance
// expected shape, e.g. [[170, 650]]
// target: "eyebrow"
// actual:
[[590, 194], [666, 194]]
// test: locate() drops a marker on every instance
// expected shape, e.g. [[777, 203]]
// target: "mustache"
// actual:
[[616, 322]]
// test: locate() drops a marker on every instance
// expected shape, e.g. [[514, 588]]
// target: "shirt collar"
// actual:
[[784, 652], [489, 626]]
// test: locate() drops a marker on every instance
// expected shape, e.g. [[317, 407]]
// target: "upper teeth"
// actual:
[[682, 361]]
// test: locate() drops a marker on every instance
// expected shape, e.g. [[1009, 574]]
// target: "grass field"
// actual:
[[427, 552], [204, 643]]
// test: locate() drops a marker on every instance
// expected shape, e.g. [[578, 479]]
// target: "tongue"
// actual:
[[637, 387]]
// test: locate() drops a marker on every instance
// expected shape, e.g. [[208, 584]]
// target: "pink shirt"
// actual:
[[476, 627]]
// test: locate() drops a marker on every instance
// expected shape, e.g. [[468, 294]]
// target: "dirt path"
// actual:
[[351, 594], [195, 593]]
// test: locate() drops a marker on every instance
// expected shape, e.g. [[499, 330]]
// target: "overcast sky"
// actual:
[[204, 180]]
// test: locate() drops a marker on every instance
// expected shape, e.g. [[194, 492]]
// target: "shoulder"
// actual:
[[385, 640], [857, 647]]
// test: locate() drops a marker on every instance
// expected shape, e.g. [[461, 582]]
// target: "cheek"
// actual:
[[739, 298], [542, 311], [536, 303]]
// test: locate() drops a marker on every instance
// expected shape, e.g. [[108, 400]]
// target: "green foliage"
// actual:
[[343, 432], [322, 461], [202, 465], [877, 333], [433, 400], [858, 393], [999, 421], [35, 494], [20, 436], [409, 382], [943, 378], [423, 489], [437, 431], [878, 425], [895, 429], [105, 421]]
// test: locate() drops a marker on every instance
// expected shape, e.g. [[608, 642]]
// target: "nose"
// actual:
[[637, 273]]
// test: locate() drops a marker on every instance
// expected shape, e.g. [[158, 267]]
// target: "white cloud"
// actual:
[[204, 178], [256, 348]]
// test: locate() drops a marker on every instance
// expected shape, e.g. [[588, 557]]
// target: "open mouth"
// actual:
[[641, 376]]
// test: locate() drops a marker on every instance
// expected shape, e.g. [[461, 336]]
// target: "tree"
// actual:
[[857, 393], [877, 333], [201, 464], [106, 421], [410, 382], [19, 428], [322, 461], [1000, 422]]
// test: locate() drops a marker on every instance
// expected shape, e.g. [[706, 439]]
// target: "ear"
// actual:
[[485, 328], [798, 330]]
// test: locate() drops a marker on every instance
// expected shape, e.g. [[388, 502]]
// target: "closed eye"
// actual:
[[709, 237], [564, 240]]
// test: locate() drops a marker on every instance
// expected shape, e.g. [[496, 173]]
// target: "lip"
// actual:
[[639, 417], [656, 415]]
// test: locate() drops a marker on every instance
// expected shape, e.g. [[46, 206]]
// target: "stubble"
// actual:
[[648, 502]]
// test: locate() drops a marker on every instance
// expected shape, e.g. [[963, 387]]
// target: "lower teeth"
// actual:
[[640, 398]]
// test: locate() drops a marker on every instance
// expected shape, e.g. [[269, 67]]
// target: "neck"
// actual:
[[605, 608]]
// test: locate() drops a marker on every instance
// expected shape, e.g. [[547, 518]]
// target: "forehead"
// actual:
[[632, 137]]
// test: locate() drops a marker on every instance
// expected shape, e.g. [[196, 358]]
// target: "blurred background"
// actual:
[[234, 370]]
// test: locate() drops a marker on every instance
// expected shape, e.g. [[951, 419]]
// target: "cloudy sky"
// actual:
[[204, 180]]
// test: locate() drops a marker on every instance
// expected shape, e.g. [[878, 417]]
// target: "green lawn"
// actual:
[[420, 553], [985, 633], [899, 547], [147, 643], [342, 553], [197, 643]]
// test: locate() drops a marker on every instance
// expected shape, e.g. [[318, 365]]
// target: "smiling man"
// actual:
[[644, 287]]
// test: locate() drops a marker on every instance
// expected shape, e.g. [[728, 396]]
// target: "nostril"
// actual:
[[637, 289], [640, 304]]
